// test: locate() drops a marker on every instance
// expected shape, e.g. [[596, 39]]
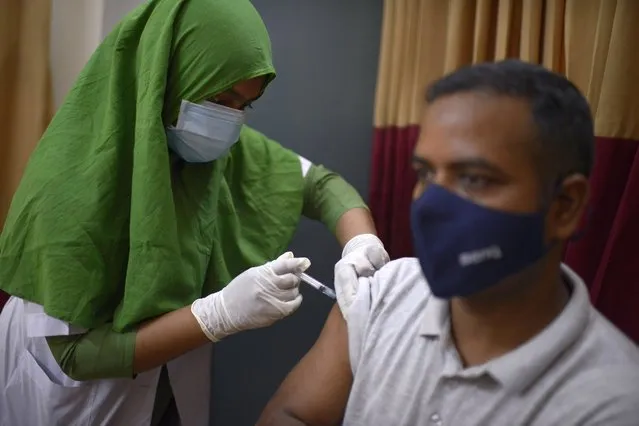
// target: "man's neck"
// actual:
[[490, 325]]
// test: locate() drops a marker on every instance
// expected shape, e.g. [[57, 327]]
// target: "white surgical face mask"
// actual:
[[204, 131]]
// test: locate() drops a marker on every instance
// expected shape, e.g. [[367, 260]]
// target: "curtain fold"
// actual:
[[25, 99], [592, 42], [606, 257], [603, 62]]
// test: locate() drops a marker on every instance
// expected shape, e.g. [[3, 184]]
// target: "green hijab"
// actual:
[[103, 228]]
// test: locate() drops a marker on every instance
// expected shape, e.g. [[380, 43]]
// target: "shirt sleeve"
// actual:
[[358, 318], [601, 397], [100, 353], [327, 196], [396, 291]]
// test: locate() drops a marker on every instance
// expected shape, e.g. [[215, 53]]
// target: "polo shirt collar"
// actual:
[[435, 320], [518, 369]]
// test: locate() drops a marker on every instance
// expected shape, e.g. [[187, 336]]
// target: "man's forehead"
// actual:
[[479, 109], [475, 124]]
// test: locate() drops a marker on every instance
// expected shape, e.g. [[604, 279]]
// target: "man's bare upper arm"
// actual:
[[316, 391]]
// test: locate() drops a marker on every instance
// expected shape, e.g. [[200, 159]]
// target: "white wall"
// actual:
[[114, 11], [77, 28]]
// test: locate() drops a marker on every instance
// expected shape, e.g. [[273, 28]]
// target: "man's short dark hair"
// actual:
[[563, 120]]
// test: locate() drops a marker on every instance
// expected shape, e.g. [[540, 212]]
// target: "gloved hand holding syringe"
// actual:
[[317, 285]]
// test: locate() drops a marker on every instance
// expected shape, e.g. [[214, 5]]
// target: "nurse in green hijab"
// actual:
[[151, 222]]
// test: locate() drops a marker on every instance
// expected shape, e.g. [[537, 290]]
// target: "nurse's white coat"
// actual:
[[35, 392]]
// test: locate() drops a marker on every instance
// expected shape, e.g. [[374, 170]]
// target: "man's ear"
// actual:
[[568, 207]]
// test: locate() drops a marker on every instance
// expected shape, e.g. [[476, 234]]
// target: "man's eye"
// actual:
[[471, 182], [424, 175]]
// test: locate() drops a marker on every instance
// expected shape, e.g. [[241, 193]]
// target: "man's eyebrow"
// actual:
[[475, 163], [462, 163]]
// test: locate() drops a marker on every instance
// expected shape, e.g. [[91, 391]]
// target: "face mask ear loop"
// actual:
[[550, 196], [548, 202], [587, 219], [586, 224]]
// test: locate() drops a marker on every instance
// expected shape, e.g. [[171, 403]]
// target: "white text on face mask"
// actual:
[[479, 256]]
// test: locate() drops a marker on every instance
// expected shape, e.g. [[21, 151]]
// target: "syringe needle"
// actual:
[[318, 285]]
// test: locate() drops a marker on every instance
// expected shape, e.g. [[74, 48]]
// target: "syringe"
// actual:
[[318, 285]]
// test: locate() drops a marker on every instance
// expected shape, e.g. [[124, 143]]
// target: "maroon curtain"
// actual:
[[607, 257], [3, 299], [392, 182]]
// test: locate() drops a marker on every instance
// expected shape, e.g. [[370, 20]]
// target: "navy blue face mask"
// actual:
[[464, 248]]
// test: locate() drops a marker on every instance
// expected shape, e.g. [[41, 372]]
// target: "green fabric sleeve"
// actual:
[[327, 196], [100, 353]]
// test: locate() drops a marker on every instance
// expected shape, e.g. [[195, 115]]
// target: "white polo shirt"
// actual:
[[580, 370]]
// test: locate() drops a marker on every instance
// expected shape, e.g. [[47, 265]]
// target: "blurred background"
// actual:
[[349, 94]]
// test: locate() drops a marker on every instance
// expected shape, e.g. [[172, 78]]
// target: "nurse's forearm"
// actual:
[[352, 223], [101, 353], [167, 337]]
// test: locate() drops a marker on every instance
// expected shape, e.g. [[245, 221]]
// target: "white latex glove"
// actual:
[[362, 257], [256, 298]]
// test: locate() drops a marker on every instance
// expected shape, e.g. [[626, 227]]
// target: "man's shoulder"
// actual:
[[400, 271], [399, 278], [399, 286], [605, 394], [387, 305], [595, 342], [609, 343], [397, 292], [602, 386]]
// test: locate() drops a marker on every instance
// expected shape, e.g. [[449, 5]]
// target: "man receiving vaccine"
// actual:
[[485, 326]]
